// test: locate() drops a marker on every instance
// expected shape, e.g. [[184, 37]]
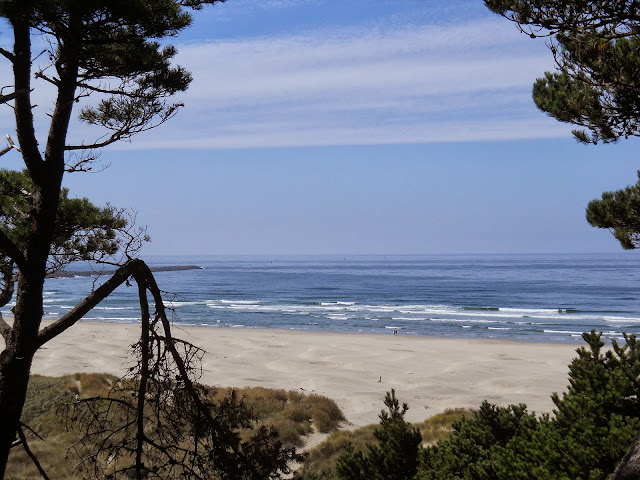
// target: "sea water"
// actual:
[[544, 298]]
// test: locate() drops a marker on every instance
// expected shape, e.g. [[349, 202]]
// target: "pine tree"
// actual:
[[394, 457]]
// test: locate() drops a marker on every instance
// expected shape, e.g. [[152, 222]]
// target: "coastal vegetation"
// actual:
[[320, 462], [55, 436], [592, 426]]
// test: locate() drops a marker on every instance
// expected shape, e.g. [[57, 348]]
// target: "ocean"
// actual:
[[539, 298]]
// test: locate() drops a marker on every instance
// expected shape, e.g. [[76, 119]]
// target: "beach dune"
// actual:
[[429, 374]]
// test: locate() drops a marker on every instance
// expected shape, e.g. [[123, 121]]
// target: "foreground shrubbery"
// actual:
[[291, 413], [320, 463], [592, 426]]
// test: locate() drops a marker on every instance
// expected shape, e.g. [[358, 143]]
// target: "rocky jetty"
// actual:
[[89, 273]]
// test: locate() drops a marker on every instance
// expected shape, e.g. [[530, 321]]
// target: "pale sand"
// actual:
[[429, 374]]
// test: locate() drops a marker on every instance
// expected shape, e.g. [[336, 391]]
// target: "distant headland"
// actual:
[[89, 273]]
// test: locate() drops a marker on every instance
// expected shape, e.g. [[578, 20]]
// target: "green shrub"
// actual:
[[591, 428], [394, 457]]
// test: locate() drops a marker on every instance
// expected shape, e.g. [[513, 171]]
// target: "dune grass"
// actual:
[[292, 413]]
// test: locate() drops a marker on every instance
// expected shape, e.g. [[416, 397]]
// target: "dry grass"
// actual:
[[292, 413], [438, 427], [321, 461]]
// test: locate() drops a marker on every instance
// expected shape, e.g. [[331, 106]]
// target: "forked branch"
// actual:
[[159, 422], [34, 459]]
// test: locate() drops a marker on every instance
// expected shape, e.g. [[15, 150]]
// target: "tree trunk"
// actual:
[[14, 378], [629, 468], [16, 359]]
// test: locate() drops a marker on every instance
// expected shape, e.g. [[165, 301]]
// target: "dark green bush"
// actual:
[[592, 426], [394, 457]]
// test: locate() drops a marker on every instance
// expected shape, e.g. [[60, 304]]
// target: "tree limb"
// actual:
[[11, 250], [10, 96], [161, 314], [82, 308], [6, 294], [24, 115], [112, 139], [5, 328], [7, 54], [25, 445], [144, 371]]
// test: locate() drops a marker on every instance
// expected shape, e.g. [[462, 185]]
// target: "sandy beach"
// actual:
[[429, 374]]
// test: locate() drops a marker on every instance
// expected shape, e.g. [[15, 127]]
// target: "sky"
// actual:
[[357, 127]]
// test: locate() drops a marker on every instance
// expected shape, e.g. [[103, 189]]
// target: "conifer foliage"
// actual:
[[591, 428], [585, 438], [394, 457], [596, 48], [619, 212]]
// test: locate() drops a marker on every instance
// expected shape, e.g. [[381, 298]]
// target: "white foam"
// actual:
[[238, 302], [337, 316], [178, 303], [621, 319], [113, 308], [459, 320], [527, 311], [565, 332], [122, 319]]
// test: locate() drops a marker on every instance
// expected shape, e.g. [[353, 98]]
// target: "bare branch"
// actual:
[[82, 162], [52, 81], [81, 309], [8, 280], [5, 328], [7, 54], [11, 250], [10, 96], [25, 445], [6, 268], [10, 146], [144, 371]]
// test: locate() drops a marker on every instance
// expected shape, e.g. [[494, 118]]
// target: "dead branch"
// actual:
[[11, 250], [82, 308], [160, 423], [25, 445]]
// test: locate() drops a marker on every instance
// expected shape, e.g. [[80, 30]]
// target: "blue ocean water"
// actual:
[[546, 298]]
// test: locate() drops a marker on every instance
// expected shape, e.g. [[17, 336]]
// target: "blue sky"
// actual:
[[359, 126]]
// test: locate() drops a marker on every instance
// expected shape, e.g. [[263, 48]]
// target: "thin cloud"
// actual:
[[359, 86], [416, 84]]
